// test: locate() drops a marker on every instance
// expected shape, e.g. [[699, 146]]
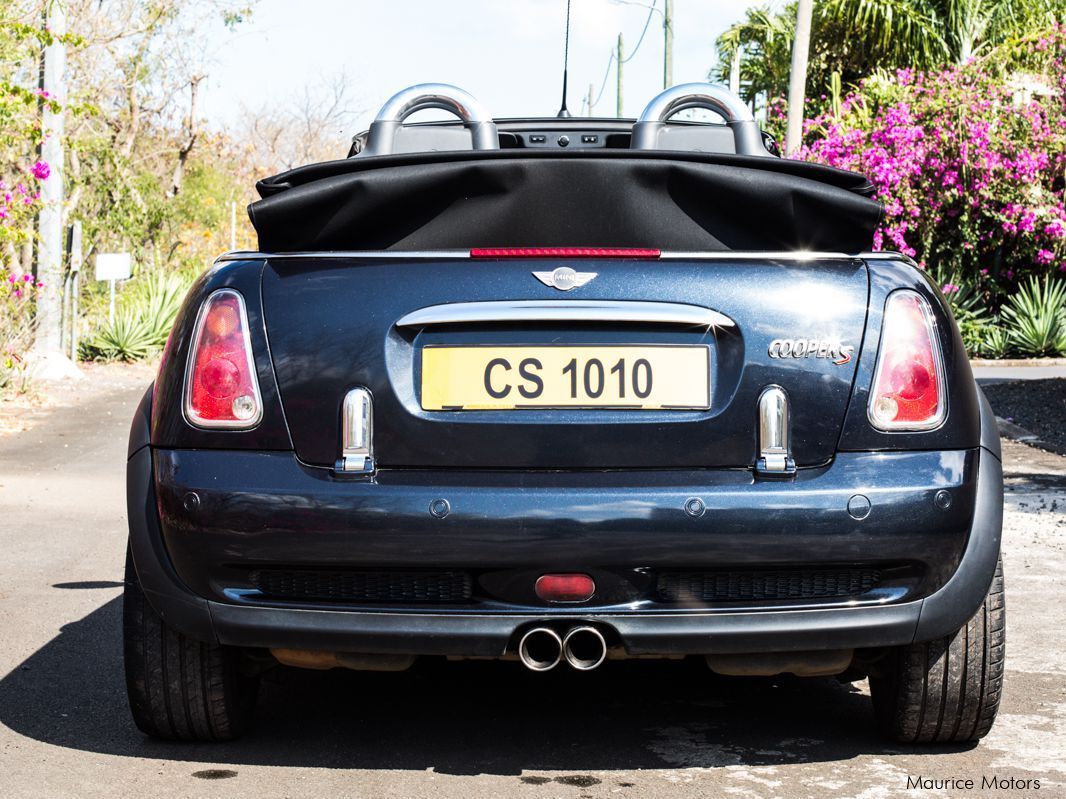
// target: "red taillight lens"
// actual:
[[222, 389], [565, 587], [563, 252], [908, 392]]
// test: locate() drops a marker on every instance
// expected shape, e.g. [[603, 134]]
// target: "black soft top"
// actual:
[[595, 198]]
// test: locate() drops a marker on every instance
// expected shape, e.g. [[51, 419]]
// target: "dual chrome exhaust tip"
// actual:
[[542, 649]]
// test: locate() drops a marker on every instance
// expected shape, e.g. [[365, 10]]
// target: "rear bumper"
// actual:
[[267, 506]]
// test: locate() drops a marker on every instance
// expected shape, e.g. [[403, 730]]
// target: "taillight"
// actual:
[[908, 391], [221, 388]]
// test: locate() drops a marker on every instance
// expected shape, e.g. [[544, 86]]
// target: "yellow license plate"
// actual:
[[551, 376]]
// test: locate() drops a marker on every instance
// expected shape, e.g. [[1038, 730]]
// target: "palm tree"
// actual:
[[797, 83], [856, 37], [901, 31], [971, 26], [765, 39]]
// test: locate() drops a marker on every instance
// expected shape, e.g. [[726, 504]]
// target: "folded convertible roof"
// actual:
[[539, 190]]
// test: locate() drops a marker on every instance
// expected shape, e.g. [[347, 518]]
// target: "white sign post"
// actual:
[[112, 266]]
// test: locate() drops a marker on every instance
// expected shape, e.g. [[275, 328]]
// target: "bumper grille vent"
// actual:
[[747, 586], [377, 586]]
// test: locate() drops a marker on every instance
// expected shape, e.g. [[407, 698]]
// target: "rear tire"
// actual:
[[947, 690], [180, 689]]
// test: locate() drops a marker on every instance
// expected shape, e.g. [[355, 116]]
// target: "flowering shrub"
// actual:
[[17, 293], [18, 204], [968, 162]]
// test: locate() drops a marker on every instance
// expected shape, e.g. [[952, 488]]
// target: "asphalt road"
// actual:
[[464, 729]]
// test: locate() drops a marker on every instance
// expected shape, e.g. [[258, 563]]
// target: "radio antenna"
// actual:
[[563, 112]]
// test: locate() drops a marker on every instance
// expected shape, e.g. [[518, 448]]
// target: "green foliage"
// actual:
[[855, 38], [967, 162], [142, 322], [994, 344], [16, 329], [1036, 317], [970, 308], [128, 338]]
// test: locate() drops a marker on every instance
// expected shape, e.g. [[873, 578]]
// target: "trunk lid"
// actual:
[[337, 323]]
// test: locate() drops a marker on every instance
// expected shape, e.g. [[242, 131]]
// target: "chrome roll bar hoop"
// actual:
[[746, 133], [401, 105]]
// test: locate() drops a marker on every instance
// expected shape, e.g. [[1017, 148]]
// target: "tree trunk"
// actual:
[[192, 130], [797, 81], [49, 310]]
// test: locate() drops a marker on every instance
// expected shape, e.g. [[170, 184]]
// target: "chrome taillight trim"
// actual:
[[194, 344], [938, 368], [600, 311]]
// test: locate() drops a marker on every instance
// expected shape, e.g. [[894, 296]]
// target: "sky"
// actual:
[[507, 53]]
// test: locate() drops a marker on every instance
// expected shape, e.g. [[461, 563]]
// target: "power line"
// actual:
[[606, 75], [610, 61], [651, 10]]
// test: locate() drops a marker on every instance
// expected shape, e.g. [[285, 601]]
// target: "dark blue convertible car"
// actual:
[[565, 391]]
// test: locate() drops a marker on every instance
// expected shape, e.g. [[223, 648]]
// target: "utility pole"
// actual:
[[50, 248], [797, 81], [590, 99], [668, 44], [734, 72], [618, 95]]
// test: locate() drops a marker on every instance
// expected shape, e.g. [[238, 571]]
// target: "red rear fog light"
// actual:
[[565, 587]]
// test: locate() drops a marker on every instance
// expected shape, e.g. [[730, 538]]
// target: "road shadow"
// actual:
[[458, 717]]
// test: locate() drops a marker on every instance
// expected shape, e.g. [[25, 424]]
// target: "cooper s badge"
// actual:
[[564, 278], [811, 348]]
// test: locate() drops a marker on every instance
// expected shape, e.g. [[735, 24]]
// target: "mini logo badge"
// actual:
[[564, 278], [832, 349]]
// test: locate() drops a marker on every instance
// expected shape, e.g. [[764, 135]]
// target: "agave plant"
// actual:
[[1036, 316], [127, 338], [141, 328], [995, 342]]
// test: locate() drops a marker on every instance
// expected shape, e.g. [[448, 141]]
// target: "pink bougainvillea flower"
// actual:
[[41, 170], [949, 288], [1044, 256]]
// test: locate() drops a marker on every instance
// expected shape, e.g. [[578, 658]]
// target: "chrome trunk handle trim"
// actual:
[[357, 432], [601, 311], [775, 433]]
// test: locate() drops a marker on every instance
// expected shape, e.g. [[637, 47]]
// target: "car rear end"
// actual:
[[778, 461]]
